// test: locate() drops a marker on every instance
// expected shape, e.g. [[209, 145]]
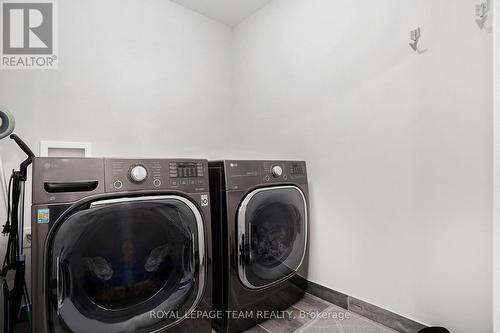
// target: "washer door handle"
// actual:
[[61, 283], [245, 254], [193, 254], [242, 250]]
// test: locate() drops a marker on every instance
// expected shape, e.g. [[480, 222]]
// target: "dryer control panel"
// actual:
[[246, 174], [149, 174]]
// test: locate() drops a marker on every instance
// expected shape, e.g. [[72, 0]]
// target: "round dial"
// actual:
[[277, 171], [138, 174]]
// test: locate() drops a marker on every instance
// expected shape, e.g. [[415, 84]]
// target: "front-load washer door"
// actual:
[[272, 235], [126, 265]]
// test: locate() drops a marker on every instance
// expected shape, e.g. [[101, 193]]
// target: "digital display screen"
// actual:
[[186, 170], [297, 169]]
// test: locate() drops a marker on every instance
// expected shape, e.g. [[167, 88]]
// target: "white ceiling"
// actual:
[[230, 12]]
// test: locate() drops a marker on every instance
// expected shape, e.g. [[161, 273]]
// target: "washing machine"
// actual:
[[260, 234], [121, 245]]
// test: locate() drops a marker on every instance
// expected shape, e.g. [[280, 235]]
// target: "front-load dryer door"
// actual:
[[272, 235], [126, 265]]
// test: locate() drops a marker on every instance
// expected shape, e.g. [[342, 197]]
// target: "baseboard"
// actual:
[[367, 310]]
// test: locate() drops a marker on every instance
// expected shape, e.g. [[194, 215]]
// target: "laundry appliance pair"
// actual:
[[146, 245]]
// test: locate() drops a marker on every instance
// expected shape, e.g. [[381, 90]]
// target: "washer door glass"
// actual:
[[126, 265], [272, 229]]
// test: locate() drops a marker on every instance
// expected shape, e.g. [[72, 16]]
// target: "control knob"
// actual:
[[277, 171], [138, 174]]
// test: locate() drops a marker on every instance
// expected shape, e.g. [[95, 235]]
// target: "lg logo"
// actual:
[[28, 28]]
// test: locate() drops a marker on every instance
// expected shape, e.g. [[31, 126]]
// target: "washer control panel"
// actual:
[[148, 174]]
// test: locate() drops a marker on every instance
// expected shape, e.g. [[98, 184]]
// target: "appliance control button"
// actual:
[[266, 178], [277, 171], [157, 183], [138, 174], [118, 184]]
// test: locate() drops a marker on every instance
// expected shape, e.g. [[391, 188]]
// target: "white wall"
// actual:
[[398, 145], [135, 78]]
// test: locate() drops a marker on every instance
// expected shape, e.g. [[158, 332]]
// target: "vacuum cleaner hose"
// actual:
[[8, 123]]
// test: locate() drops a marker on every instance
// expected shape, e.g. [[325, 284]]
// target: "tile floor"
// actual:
[[333, 320], [338, 320]]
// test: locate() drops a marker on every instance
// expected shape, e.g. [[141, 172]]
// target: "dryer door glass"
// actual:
[[272, 229], [126, 265]]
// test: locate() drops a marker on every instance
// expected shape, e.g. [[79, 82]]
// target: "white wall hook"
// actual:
[[482, 10], [415, 37]]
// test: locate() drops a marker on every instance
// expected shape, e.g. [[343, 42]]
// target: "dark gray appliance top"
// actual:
[[57, 180], [242, 174]]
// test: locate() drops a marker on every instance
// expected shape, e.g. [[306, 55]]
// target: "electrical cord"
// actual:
[[11, 227], [7, 227]]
